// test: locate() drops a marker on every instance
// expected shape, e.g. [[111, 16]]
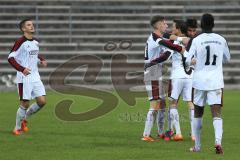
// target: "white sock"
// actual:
[[32, 109], [218, 128], [175, 120], [170, 121], [161, 121], [197, 126], [21, 113], [149, 122], [191, 117]]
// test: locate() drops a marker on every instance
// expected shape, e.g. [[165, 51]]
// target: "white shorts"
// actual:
[[200, 97], [180, 86], [155, 90], [28, 91]]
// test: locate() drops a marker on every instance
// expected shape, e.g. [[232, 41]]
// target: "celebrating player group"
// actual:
[[196, 75]]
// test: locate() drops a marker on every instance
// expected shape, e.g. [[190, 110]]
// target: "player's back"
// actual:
[[209, 49]]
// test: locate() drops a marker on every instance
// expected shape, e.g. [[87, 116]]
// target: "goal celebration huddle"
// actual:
[[196, 76]]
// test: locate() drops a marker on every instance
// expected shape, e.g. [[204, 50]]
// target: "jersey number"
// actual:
[[146, 52], [208, 57]]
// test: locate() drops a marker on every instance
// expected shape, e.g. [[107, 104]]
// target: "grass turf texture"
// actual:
[[115, 135]]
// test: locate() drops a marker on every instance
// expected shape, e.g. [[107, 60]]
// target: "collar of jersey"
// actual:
[[28, 39]]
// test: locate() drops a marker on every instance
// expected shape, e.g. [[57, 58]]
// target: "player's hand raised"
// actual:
[[26, 71], [43, 63]]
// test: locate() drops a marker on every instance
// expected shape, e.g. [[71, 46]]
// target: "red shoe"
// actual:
[[17, 132], [148, 139], [218, 149], [161, 136], [168, 135], [178, 137], [24, 127]]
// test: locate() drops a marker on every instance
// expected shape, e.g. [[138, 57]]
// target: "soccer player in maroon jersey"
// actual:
[[24, 57]]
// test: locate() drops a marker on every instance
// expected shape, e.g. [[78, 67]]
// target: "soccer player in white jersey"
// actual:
[[180, 84], [24, 57], [155, 47], [210, 51]]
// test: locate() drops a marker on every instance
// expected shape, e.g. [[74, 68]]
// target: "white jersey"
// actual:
[[152, 51], [177, 70], [24, 54], [210, 50]]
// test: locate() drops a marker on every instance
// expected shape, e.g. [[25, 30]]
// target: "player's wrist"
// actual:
[[22, 69]]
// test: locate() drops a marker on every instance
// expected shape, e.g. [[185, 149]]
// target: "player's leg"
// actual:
[[177, 87], [215, 102], [24, 91], [187, 93], [191, 117], [39, 94], [153, 96], [161, 110], [199, 100]]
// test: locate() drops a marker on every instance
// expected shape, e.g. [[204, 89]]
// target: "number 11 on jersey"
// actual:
[[208, 57]]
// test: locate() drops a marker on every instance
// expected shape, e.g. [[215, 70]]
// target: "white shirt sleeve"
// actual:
[[226, 54], [190, 53], [14, 54]]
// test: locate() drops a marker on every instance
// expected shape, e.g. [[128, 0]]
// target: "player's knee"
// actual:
[[190, 105], [216, 111], [154, 104], [41, 103], [198, 111], [162, 103], [172, 102], [25, 103]]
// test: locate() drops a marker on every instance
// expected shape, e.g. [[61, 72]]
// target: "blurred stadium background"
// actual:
[[67, 28]]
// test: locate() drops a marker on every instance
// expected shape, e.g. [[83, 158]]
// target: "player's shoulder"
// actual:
[[18, 43], [219, 36], [36, 39], [20, 40], [152, 39]]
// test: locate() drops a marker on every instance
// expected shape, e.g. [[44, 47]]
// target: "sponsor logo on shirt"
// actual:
[[33, 52]]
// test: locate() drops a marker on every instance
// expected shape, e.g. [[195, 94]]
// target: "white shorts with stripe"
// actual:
[[155, 90], [201, 97], [180, 86], [31, 90]]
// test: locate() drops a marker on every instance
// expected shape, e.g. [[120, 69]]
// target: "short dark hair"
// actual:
[[22, 23], [207, 21], [180, 24], [156, 19], [191, 22]]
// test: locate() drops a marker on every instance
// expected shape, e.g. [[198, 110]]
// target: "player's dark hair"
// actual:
[[22, 23], [192, 23], [180, 24], [156, 19], [207, 22]]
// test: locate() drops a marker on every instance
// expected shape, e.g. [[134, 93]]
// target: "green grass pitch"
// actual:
[[114, 136]]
